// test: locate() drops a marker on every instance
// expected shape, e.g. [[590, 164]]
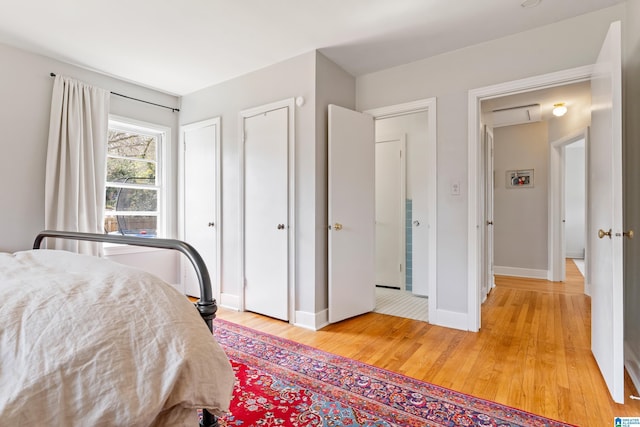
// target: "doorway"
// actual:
[[605, 201], [415, 296], [392, 244], [476, 202], [575, 203]]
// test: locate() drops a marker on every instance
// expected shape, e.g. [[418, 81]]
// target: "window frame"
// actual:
[[163, 171]]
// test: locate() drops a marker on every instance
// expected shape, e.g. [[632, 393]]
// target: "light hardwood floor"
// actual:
[[532, 352]]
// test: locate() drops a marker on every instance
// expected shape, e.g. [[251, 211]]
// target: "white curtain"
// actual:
[[75, 170]]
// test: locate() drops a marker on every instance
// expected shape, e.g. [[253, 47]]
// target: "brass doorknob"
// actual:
[[629, 234], [602, 233], [337, 226]]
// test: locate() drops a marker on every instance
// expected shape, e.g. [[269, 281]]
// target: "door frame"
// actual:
[[556, 241], [288, 103], [475, 215], [430, 106], [215, 121]]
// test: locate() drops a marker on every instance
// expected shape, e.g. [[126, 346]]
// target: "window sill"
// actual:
[[113, 249]]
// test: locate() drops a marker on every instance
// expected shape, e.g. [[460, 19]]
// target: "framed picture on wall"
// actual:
[[522, 178]]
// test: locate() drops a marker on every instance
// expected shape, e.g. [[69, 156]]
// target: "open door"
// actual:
[[351, 167], [604, 227], [488, 280]]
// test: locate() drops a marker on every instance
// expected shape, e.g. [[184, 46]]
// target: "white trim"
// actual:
[[312, 321], [215, 121], [556, 247], [475, 213], [167, 191], [449, 319], [520, 272], [242, 115], [429, 105], [229, 301]]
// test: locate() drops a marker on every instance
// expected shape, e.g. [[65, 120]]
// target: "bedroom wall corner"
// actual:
[[333, 85], [24, 120], [287, 79]]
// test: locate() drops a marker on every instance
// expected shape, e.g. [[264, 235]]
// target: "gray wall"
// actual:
[[520, 214], [333, 86], [449, 77], [320, 82], [631, 156]]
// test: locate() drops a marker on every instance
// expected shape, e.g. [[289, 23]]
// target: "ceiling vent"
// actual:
[[516, 115]]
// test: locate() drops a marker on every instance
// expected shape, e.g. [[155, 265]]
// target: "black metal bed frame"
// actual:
[[206, 305]]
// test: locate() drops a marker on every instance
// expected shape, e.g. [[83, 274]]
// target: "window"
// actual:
[[134, 184]]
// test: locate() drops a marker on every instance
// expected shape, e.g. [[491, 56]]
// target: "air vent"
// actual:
[[516, 115]]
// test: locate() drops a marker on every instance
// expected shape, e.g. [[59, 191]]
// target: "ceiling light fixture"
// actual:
[[530, 3], [559, 109]]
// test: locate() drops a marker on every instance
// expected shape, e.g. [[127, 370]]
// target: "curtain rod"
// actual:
[[136, 99]]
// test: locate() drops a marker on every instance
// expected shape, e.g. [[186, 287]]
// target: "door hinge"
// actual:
[[400, 268]]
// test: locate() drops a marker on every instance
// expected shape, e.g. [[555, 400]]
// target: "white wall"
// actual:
[[25, 88], [449, 77], [574, 182], [520, 214]]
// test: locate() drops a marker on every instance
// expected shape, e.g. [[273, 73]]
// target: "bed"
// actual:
[[87, 341]]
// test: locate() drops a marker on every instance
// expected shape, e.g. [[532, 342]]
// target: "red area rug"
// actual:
[[283, 383]]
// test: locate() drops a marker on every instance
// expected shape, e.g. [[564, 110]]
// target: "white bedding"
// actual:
[[86, 341]]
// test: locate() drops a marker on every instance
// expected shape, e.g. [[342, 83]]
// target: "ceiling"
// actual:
[[182, 46]]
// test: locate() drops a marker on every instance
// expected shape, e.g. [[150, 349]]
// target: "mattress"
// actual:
[[87, 341]]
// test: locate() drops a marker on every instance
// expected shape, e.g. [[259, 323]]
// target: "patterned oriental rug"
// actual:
[[283, 383]]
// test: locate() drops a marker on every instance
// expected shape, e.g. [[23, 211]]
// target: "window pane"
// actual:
[[130, 171], [130, 144], [131, 199], [134, 225]]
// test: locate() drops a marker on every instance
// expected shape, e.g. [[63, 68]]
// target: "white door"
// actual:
[[266, 205], [488, 282], [605, 213], [390, 212], [201, 189], [351, 214]]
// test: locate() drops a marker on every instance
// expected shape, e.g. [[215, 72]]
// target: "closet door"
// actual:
[[266, 213], [201, 190]]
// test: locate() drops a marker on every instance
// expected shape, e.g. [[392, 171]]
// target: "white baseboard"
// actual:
[[520, 272], [450, 319], [577, 255], [229, 301], [632, 363], [313, 321]]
